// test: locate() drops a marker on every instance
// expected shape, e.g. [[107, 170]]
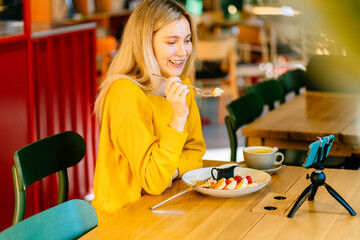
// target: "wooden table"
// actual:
[[298, 122], [196, 216]]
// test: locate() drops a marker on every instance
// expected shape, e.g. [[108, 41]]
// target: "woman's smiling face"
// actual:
[[172, 46]]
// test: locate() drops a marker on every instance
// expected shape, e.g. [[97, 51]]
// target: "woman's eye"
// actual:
[[171, 43]]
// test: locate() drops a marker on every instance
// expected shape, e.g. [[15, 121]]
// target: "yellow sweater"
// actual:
[[138, 151]]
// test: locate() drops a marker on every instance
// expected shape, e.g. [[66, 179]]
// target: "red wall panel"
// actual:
[[14, 127], [64, 87]]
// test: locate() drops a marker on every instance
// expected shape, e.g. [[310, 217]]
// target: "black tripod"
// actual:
[[317, 178]]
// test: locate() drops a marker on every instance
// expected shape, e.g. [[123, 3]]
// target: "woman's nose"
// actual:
[[181, 51]]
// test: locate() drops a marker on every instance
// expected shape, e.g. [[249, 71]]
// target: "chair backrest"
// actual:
[[242, 111], [219, 54], [251, 34], [41, 159], [269, 91], [216, 60], [69, 220], [214, 49], [293, 81]]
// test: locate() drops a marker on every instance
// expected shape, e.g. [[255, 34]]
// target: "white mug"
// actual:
[[261, 157]]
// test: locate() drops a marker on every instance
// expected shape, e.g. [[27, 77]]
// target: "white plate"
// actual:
[[271, 170], [260, 177]]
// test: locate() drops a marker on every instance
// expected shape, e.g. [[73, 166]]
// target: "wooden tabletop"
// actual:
[[196, 216], [301, 120]]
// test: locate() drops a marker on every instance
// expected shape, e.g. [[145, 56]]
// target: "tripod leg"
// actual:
[[300, 200], [339, 199], [313, 192]]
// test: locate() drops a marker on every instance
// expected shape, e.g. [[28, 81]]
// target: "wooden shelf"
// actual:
[[98, 16]]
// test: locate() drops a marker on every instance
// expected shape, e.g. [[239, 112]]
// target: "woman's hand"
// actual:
[[176, 93], [176, 174]]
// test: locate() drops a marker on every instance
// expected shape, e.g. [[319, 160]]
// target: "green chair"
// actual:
[[41, 159], [69, 220], [293, 81], [242, 111], [269, 92]]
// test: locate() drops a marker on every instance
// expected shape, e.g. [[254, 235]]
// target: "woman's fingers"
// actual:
[[184, 93], [171, 82], [180, 90], [176, 93], [174, 88]]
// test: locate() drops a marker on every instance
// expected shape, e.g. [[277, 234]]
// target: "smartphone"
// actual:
[[327, 143], [313, 154]]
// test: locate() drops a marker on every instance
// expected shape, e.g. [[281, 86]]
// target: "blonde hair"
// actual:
[[135, 59]]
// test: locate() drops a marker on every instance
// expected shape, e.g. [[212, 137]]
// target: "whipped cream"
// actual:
[[217, 92]]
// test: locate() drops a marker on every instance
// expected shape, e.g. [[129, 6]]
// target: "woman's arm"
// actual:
[[194, 148], [152, 151]]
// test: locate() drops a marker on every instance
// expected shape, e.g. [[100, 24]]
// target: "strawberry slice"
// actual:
[[249, 179], [237, 178], [227, 181]]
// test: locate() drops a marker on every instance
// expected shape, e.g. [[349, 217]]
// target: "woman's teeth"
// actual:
[[176, 62]]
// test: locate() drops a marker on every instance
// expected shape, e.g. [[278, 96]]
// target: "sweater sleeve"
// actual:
[[194, 148], [152, 159]]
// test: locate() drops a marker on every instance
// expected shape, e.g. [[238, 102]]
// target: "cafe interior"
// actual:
[[290, 76]]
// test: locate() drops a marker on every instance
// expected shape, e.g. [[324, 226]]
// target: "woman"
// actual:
[[150, 128]]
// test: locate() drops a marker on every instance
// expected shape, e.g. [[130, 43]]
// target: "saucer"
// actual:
[[271, 170]]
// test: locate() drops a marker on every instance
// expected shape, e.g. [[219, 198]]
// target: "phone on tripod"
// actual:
[[316, 155], [312, 155], [318, 151], [327, 143]]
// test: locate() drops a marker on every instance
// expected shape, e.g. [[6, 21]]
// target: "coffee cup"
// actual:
[[224, 171], [261, 157]]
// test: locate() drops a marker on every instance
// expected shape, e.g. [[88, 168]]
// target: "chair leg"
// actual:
[[265, 54], [221, 110], [19, 210], [246, 53]]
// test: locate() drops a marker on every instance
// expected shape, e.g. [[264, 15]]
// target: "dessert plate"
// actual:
[[260, 177]]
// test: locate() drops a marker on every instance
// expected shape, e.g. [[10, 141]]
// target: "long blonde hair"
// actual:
[[135, 59]]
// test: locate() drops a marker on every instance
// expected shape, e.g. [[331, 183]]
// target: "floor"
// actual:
[[216, 136]]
